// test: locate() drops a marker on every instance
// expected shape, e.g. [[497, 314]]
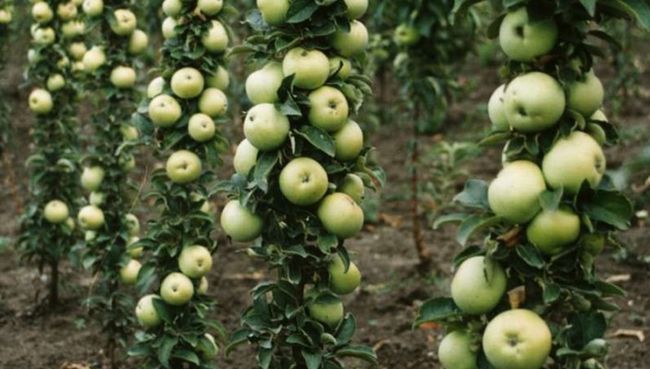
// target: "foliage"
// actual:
[[6, 8]]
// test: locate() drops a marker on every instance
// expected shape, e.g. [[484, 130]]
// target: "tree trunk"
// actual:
[[424, 255]]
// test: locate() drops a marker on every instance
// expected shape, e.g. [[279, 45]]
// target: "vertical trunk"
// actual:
[[54, 284], [11, 181], [418, 238]]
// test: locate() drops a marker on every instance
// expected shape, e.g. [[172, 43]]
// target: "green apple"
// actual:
[[303, 181], [206, 207], [91, 217], [216, 39], [496, 110], [514, 193], [340, 215], [77, 50], [42, 12], [134, 252], [274, 12], [93, 8], [5, 16], [164, 111], [265, 127], [66, 11], [326, 309], [245, 157], [176, 289], [210, 7], [187, 83], [203, 286], [156, 87], [456, 351], [129, 272], [125, 22], [239, 223], [146, 313], [56, 212], [218, 79], [129, 132], [593, 243], [552, 230], [127, 162], [123, 77], [89, 236], [478, 285], [169, 28], [92, 178], [132, 224], [55, 82], [534, 102], [213, 102], [172, 8], [353, 42], [72, 29], [340, 67], [138, 42], [406, 35], [523, 39], [352, 185], [356, 8], [183, 167], [328, 109], [310, 68], [573, 160], [70, 224], [348, 141], [40, 101], [97, 198], [343, 281], [201, 127], [94, 59], [517, 339], [44, 36], [195, 261], [586, 95], [262, 86]]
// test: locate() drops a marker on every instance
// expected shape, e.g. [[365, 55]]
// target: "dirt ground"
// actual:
[[385, 306]]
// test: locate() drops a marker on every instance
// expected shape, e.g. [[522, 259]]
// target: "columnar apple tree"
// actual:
[[110, 68], [531, 295], [47, 229], [180, 119], [6, 17], [301, 173]]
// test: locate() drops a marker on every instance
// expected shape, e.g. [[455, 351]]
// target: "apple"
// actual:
[[593, 243], [123, 77], [310, 68], [245, 157], [132, 224], [93, 8], [210, 7], [91, 217], [92, 177], [201, 127], [56, 212], [478, 285], [262, 86], [496, 110], [94, 58], [169, 28], [127, 162], [134, 252], [164, 111], [523, 39], [44, 36], [340, 215], [213, 102], [303, 181], [212, 350], [78, 67], [183, 167], [90, 235], [552, 230], [353, 42], [356, 8], [340, 67], [514, 193], [195, 261], [40, 101], [156, 87], [203, 286], [5, 16], [66, 11], [129, 272], [146, 313], [70, 224], [206, 207], [239, 223], [353, 186], [33, 56], [176, 289], [573, 160], [125, 22], [534, 102], [172, 8], [187, 83], [129, 132], [63, 62], [216, 39], [406, 35], [73, 29], [138, 42], [586, 95], [265, 127], [274, 12], [97, 198], [596, 130], [42, 12], [328, 109], [77, 50], [343, 281], [517, 339], [55, 82], [326, 309], [348, 141], [456, 351], [218, 79]]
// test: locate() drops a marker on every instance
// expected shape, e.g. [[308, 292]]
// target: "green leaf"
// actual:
[[551, 292], [312, 359], [590, 6], [550, 200], [264, 357], [265, 163], [301, 10], [318, 138], [585, 327], [186, 355], [346, 330], [474, 224], [638, 9], [609, 207], [362, 352], [327, 242], [237, 339], [165, 350], [530, 255], [449, 218], [436, 310], [474, 195]]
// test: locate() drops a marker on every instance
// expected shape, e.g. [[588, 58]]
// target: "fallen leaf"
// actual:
[[394, 221], [636, 333], [618, 278]]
